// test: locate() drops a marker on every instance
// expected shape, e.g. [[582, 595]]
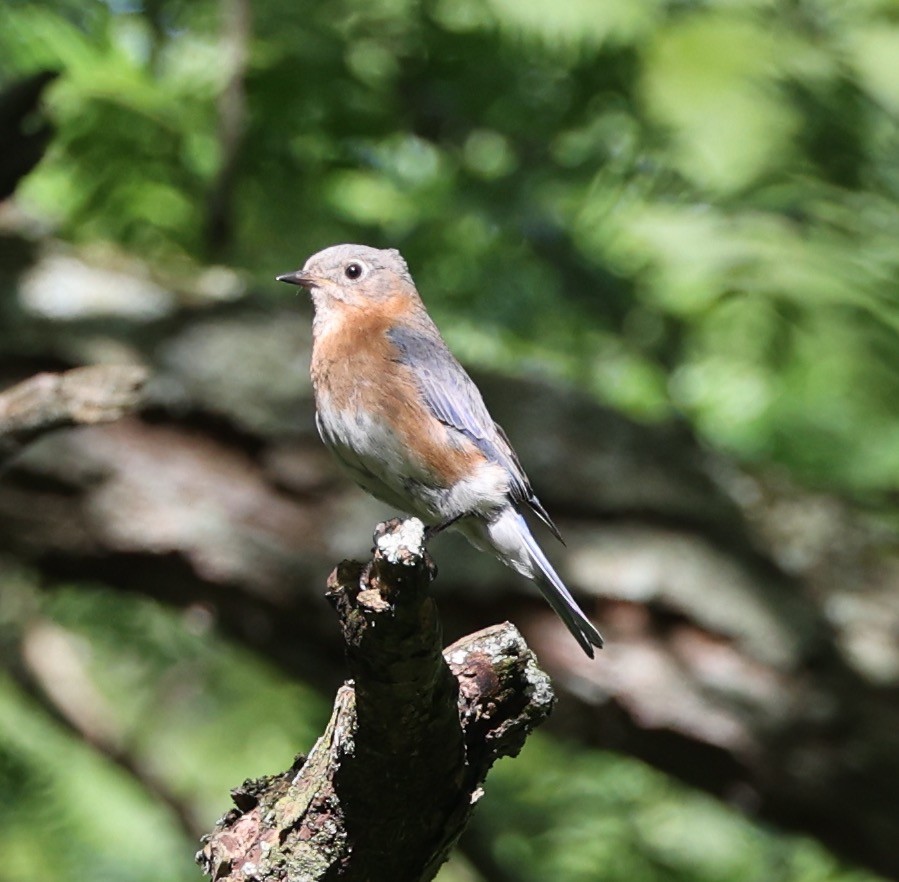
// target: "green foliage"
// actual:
[[164, 691], [560, 812], [70, 815], [685, 208]]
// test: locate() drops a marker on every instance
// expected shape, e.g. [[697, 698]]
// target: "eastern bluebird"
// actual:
[[407, 422]]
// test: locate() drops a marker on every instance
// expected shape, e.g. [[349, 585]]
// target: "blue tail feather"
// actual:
[[559, 597], [508, 536]]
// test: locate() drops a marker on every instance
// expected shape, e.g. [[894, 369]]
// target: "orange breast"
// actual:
[[355, 367]]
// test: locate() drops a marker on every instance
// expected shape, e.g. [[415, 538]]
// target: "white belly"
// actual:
[[377, 460]]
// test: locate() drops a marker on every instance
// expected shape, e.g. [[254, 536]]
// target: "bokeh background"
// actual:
[[664, 236]]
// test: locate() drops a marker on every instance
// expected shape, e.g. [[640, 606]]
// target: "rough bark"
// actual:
[[81, 396], [388, 788]]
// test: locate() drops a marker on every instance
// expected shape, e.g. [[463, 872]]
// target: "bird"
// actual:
[[409, 425]]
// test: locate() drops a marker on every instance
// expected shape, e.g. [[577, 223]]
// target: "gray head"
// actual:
[[352, 274]]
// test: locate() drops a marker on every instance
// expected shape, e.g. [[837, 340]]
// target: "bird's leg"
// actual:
[[431, 532]]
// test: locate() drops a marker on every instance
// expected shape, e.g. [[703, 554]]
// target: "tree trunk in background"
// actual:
[[751, 624]]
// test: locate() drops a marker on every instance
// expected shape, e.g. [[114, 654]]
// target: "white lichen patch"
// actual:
[[457, 658], [404, 544]]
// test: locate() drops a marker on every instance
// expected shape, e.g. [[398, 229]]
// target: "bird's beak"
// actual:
[[304, 280]]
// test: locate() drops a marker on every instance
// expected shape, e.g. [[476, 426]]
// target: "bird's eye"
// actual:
[[353, 270]]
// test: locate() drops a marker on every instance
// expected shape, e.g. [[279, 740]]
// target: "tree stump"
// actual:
[[390, 785]]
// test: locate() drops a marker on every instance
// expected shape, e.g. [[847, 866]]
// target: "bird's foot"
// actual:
[[432, 531]]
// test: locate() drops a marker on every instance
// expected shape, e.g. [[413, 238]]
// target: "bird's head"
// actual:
[[352, 275]]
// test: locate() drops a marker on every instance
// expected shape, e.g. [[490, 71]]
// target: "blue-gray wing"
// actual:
[[455, 400]]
